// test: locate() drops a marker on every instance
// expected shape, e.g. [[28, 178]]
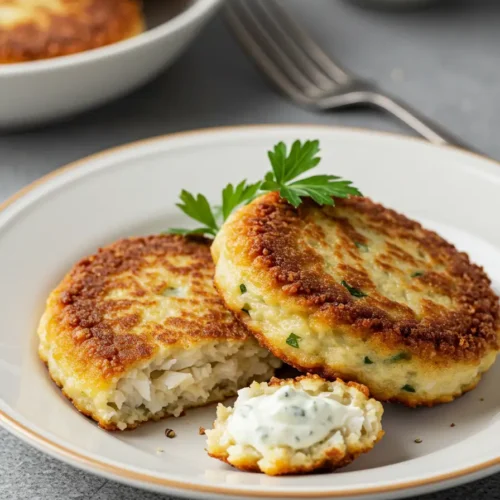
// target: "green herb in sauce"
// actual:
[[293, 340], [243, 288], [368, 361], [355, 292], [408, 388], [417, 274], [289, 417]]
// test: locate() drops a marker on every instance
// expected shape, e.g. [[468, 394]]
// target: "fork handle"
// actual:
[[423, 126]]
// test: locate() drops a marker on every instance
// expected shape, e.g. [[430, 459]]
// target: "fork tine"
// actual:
[[302, 39], [267, 53], [294, 51]]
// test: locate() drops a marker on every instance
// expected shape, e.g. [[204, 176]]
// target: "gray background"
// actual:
[[444, 60]]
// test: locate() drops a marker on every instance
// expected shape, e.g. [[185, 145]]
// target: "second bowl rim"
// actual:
[[192, 12]]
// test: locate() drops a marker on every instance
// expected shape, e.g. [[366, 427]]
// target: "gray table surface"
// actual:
[[444, 60]]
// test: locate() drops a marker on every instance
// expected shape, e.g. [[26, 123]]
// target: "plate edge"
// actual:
[[62, 452]]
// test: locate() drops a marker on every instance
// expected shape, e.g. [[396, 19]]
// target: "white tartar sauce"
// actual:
[[289, 417]]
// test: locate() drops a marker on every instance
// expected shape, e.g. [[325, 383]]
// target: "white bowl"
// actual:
[[35, 92]]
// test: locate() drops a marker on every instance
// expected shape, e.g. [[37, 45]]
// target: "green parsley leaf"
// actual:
[[286, 168], [293, 340], [293, 196], [417, 274], [302, 158], [400, 356], [408, 388], [232, 196], [361, 246], [355, 292], [321, 188], [243, 288], [277, 157], [198, 209], [368, 361]]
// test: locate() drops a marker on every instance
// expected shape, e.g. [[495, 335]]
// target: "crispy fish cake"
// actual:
[[296, 426], [360, 292], [137, 332], [41, 29]]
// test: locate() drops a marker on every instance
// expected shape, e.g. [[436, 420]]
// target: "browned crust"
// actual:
[[272, 227], [73, 27], [105, 336], [275, 381], [334, 461], [109, 426]]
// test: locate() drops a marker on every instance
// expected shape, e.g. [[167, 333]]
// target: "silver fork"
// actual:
[[294, 62]]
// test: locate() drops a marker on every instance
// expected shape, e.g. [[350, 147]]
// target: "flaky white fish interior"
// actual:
[[137, 332]]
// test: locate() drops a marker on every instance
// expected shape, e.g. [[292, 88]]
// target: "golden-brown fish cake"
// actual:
[[308, 425], [41, 29], [137, 332], [360, 292]]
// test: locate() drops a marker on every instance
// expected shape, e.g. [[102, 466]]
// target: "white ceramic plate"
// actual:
[[132, 190]]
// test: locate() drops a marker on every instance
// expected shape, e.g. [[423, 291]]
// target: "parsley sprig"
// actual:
[[284, 177]]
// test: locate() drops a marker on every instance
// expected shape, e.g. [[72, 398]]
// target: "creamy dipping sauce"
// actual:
[[290, 418]]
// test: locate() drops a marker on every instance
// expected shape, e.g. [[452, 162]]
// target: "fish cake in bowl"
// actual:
[[360, 292], [42, 29], [296, 426], [137, 332]]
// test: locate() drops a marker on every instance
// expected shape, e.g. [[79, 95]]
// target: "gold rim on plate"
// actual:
[[113, 470]]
